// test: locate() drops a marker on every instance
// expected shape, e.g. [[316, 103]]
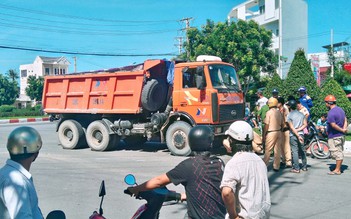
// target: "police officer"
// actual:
[[304, 99], [18, 197]]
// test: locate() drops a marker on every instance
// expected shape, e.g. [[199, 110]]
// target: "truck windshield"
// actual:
[[224, 77]]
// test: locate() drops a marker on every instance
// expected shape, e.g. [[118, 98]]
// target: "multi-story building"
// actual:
[[40, 67], [287, 19]]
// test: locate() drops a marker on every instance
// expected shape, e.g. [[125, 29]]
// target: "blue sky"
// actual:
[[134, 27]]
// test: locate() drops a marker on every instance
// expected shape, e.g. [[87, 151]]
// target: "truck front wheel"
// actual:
[[71, 134], [177, 138], [98, 137]]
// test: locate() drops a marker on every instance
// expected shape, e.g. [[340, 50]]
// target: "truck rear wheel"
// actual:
[[71, 134], [99, 138], [177, 138], [154, 94]]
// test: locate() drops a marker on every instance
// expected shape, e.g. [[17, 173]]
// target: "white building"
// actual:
[[287, 19], [40, 67]]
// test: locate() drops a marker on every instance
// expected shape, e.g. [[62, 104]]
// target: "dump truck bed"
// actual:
[[102, 92]]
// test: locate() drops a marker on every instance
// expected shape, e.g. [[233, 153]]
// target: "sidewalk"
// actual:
[[23, 120]]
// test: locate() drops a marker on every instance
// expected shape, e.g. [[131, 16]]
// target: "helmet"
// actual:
[[24, 140], [292, 103], [201, 138], [275, 90], [240, 131], [302, 89], [272, 102], [330, 99]]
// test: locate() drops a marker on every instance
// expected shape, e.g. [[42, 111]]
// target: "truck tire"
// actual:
[[71, 134], [177, 138], [98, 137], [154, 94]]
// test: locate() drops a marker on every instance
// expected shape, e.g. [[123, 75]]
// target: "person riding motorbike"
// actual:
[[200, 175]]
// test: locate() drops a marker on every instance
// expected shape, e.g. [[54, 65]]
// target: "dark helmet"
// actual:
[[201, 138], [292, 104], [302, 89], [275, 91]]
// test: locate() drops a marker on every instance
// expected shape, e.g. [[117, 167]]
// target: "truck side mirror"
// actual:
[[200, 78]]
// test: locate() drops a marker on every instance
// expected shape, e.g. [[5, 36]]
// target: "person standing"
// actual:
[[271, 136], [336, 128], [285, 149], [245, 187], [275, 93], [297, 122], [304, 99], [18, 197], [262, 100], [200, 175]]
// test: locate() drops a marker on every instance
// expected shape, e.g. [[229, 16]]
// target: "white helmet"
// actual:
[[240, 131]]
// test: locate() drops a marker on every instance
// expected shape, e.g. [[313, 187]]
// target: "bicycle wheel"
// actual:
[[321, 151]]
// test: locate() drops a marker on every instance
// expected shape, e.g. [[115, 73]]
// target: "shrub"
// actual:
[[7, 108]]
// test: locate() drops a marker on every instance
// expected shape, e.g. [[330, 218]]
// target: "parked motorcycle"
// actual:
[[315, 143], [149, 210]]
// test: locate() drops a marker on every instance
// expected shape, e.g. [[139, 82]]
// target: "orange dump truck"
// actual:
[[135, 103]]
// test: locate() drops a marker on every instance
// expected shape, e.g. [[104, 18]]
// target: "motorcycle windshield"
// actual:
[[224, 78]]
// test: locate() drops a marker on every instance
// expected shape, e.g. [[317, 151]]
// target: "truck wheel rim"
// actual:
[[179, 139], [69, 134]]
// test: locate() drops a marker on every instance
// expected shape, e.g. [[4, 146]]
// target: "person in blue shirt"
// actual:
[[322, 124], [304, 99]]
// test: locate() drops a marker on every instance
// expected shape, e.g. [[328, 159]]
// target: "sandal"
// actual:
[[334, 173]]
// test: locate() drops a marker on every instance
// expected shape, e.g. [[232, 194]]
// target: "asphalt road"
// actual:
[[69, 180]]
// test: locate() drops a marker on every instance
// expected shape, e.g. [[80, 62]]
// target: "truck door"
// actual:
[[192, 99]]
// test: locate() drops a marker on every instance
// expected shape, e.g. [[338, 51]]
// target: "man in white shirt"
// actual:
[[245, 187], [18, 197], [261, 100]]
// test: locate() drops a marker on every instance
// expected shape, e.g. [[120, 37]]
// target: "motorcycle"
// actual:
[[154, 200], [315, 143]]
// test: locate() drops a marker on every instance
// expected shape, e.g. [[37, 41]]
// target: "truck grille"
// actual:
[[231, 112]]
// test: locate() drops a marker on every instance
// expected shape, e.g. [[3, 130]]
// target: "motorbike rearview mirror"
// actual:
[[130, 179], [102, 191], [56, 214]]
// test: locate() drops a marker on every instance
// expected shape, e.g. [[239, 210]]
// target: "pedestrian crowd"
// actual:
[[285, 126]]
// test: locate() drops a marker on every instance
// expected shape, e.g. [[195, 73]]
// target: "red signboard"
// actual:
[[347, 67]]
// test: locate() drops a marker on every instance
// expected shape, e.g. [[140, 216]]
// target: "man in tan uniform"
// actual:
[[272, 132], [285, 145]]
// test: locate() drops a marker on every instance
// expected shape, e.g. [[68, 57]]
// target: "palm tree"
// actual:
[[12, 74]]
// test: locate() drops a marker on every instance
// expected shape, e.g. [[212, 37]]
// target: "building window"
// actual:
[[262, 9], [64, 71], [23, 73], [277, 32], [56, 71], [47, 71], [61, 71]]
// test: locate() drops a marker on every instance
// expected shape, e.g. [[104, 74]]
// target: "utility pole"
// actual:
[[187, 27], [332, 51], [75, 64], [179, 44]]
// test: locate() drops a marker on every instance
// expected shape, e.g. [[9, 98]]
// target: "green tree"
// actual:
[[8, 90], [331, 86], [275, 82], [35, 87], [300, 74], [343, 77], [244, 44]]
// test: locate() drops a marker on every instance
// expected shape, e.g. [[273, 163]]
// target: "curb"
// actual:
[[24, 120]]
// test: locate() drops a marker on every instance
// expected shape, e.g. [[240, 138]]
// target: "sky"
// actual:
[[132, 31]]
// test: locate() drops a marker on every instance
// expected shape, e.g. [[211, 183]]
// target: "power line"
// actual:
[[78, 17], [84, 53]]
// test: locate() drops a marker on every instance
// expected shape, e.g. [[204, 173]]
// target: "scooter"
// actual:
[[154, 200], [315, 143]]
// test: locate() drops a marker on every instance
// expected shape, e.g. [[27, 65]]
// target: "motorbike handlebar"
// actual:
[[169, 195]]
